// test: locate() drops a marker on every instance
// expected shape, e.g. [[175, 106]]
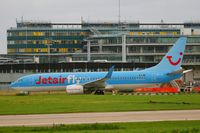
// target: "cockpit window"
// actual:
[[20, 80]]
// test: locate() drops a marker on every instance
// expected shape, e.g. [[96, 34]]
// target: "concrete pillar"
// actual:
[[88, 51], [127, 50], [154, 51], [100, 46], [141, 51], [123, 48]]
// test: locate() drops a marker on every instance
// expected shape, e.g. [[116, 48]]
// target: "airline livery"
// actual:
[[81, 82]]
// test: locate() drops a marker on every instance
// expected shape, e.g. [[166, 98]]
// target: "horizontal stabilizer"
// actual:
[[186, 71], [180, 71]]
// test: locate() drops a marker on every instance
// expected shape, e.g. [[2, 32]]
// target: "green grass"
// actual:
[[138, 127], [62, 103]]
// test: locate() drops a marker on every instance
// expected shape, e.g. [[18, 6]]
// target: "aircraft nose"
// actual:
[[12, 84]]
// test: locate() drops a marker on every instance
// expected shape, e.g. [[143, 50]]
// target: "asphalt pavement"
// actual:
[[105, 117]]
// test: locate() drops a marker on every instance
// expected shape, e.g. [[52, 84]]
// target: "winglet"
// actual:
[[109, 74]]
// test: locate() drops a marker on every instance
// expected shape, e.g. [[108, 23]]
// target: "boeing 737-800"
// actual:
[[80, 82]]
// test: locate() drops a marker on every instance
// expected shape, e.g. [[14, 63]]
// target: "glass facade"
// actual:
[[34, 39], [144, 42]]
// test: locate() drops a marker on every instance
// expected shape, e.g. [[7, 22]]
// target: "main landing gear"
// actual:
[[99, 92]]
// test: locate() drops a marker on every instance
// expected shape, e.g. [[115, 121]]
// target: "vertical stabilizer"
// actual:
[[173, 59]]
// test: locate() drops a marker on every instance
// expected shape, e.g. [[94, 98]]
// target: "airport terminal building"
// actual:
[[113, 42], [108, 42]]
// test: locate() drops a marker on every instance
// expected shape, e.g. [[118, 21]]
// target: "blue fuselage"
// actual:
[[119, 80]]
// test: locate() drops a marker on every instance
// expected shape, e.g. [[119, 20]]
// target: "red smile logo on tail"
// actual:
[[174, 63]]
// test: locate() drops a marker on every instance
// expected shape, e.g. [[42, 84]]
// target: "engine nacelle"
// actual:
[[74, 89]]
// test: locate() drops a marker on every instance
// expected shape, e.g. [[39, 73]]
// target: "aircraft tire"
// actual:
[[99, 92]]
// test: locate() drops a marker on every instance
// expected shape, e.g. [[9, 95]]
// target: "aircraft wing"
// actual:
[[100, 83]]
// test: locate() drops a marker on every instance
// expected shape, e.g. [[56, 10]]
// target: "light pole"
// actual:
[[119, 17]]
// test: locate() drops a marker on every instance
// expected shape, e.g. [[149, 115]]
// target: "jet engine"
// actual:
[[74, 89]]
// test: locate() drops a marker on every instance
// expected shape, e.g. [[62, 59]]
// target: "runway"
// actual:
[[107, 117]]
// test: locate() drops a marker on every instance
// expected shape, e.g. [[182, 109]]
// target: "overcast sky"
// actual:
[[94, 10]]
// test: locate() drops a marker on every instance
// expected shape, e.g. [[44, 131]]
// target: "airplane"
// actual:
[[167, 70]]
